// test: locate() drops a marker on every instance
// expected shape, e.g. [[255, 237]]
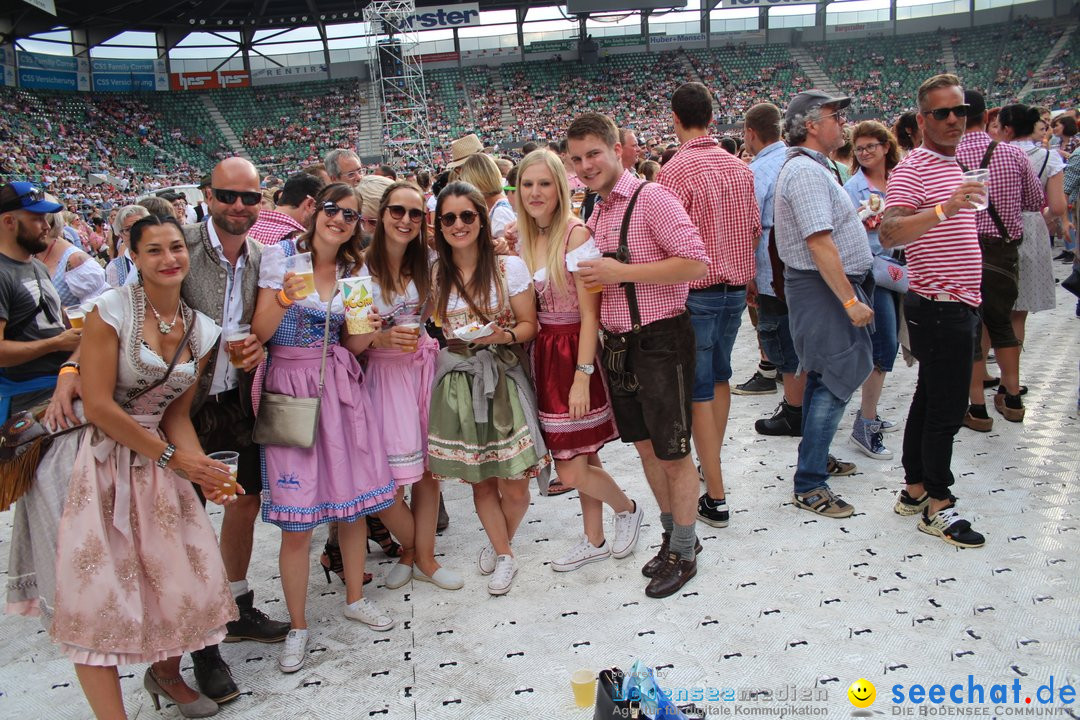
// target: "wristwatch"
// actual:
[[587, 369]]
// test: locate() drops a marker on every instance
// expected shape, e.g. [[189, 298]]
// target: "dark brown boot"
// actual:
[[650, 568]]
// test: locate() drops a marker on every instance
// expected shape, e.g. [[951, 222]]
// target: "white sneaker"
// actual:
[[582, 554], [486, 561], [294, 652], [503, 575], [367, 612], [627, 525]]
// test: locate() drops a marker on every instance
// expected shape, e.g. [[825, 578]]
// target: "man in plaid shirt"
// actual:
[[717, 190], [648, 340]]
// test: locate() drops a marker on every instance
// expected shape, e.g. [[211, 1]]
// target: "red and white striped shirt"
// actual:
[[947, 258], [717, 190], [659, 229]]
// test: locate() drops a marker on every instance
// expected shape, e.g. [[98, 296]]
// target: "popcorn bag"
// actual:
[[357, 298]]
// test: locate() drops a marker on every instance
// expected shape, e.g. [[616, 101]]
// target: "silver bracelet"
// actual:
[[166, 456]]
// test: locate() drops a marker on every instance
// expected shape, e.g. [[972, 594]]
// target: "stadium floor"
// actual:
[[783, 601]]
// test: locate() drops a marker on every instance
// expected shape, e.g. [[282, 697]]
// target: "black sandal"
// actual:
[[378, 532], [332, 563]]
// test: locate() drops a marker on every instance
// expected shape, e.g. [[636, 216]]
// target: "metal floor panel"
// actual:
[[782, 597]]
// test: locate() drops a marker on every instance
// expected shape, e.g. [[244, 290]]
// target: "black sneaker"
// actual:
[[757, 385], [254, 624], [212, 675], [1066, 257], [712, 512], [950, 527], [787, 420]]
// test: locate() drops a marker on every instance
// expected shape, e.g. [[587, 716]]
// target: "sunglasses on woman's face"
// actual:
[[398, 211], [331, 210], [467, 216], [228, 197]]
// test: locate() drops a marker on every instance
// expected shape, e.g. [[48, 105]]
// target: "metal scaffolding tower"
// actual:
[[398, 74]]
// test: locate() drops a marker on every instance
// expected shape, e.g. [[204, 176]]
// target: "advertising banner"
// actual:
[[7, 66], [209, 80], [762, 3], [546, 46], [123, 75], [53, 72], [283, 74], [441, 18]]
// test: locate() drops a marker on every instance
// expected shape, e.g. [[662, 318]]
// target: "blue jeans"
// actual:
[[886, 335], [715, 316], [820, 417], [774, 332]]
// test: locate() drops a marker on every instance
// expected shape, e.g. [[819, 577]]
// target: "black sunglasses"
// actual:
[[248, 197], [467, 216], [349, 216], [940, 114], [398, 211]]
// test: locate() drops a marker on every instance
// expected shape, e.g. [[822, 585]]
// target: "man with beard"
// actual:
[[35, 342]]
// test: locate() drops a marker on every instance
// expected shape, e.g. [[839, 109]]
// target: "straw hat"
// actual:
[[371, 189], [462, 148]]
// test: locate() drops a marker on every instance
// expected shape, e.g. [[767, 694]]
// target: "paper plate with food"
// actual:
[[474, 331]]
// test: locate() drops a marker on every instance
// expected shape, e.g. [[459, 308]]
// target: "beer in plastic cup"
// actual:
[[234, 337], [301, 265], [232, 459], [412, 324], [583, 683], [598, 288], [75, 316], [357, 298], [980, 176]]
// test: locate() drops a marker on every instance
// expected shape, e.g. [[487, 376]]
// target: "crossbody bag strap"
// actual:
[[623, 256], [326, 341]]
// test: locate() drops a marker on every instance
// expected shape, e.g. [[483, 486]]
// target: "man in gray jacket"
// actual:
[[828, 284]]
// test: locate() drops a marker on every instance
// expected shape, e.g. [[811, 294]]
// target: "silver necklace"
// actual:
[[163, 327]]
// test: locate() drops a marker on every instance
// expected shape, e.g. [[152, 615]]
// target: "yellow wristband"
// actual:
[[851, 302], [940, 212], [283, 299], [68, 370]]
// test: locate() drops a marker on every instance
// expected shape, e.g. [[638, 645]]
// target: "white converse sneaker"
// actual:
[[503, 575], [367, 612], [294, 651], [582, 554], [627, 525], [486, 561]]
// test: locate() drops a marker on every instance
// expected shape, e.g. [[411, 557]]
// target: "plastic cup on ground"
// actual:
[[232, 459], [980, 176], [583, 683], [302, 266]]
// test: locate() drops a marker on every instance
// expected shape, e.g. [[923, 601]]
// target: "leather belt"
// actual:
[[719, 287]]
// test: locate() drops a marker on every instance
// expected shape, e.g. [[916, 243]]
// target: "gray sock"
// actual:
[[667, 522], [682, 541]]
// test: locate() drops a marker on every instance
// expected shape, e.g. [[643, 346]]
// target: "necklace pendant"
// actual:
[[164, 328]]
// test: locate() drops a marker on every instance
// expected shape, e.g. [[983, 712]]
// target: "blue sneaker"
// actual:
[[866, 436]]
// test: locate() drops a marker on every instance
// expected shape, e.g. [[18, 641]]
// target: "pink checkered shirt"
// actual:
[[272, 226], [717, 190], [1013, 186], [659, 229]]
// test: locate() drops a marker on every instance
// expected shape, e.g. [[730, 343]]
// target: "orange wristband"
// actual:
[[851, 302], [283, 299], [68, 370]]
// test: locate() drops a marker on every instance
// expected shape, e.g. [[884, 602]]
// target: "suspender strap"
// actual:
[[623, 256], [990, 209]]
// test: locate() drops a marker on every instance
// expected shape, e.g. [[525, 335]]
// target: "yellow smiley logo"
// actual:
[[862, 693]]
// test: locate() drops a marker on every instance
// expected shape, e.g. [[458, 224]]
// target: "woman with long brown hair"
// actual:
[[345, 475], [876, 154], [492, 442], [400, 368]]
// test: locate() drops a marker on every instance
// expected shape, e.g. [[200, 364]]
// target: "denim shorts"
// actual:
[[774, 333], [715, 316]]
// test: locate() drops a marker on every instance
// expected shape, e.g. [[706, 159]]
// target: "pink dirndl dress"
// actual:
[[139, 576], [554, 357]]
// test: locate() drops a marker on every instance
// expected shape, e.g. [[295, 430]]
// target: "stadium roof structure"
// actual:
[[103, 19]]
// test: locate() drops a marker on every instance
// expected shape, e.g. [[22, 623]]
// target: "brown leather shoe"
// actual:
[[978, 424], [1011, 414], [650, 568], [671, 576]]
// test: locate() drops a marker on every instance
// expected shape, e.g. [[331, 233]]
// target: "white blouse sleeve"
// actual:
[[87, 281], [272, 266], [206, 334], [518, 277], [501, 216], [114, 307]]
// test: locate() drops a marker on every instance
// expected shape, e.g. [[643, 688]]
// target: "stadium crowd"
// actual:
[[495, 321]]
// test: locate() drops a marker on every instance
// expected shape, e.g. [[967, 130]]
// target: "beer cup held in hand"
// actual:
[[232, 459], [302, 266], [234, 337], [981, 202], [412, 324], [357, 298], [75, 316]]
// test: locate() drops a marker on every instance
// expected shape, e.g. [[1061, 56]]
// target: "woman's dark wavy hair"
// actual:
[[350, 254], [447, 275], [905, 129], [140, 227], [1021, 118], [414, 265]]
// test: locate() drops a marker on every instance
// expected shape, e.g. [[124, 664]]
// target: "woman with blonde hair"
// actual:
[[481, 172], [572, 398], [74, 273]]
